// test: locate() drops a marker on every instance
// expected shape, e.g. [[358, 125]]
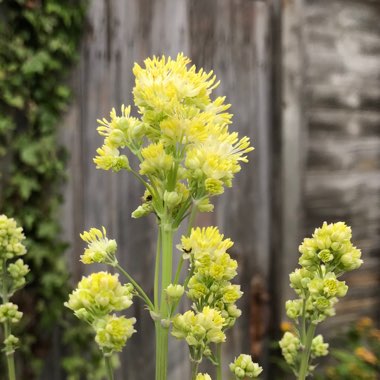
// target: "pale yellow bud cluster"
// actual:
[[212, 269], [95, 298], [9, 312], [290, 345], [244, 367], [11, 238], [330, 246], [13, 271], [324, 257]]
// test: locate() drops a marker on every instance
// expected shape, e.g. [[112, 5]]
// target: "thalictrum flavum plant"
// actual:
[[187, 156]]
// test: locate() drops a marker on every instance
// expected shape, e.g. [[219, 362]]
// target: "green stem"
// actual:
[[157, 272], [167, 264], [219, 359], [306, 352], [162, 333], [194, 369], [137, 286], [162, 344], [303, 326], [7, 327], [109, 368]]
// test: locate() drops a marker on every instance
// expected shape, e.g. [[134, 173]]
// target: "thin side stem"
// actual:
[[109, 368], [7, 327], [137, 286], [306, 352], [219, 359]]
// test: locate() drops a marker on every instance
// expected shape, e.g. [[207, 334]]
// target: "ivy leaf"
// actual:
[[29, 154], [36, 64], [26, 185]]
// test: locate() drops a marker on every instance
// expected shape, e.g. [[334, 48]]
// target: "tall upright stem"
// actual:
[[7, 327], [109, 368], [162, 332], [219, 359], [194, 369], [306, 352]]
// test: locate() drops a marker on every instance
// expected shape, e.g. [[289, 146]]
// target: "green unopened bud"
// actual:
[[172, 199], [9, 312], [143, 210], [11, 343], [325, 255], [290, 344], [243, 366], [294, 308], [165, 323], [174, 292], [318, 347]]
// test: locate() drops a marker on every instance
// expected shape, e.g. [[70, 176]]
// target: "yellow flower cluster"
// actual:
[[181, 139], [199, 330], [100, 249], [212, 269], [95, 298], [99, 294]]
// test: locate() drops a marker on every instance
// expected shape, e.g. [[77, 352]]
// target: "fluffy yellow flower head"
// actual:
[[122, 130], [166, 86], [206, 239], [100, 249], [99, 294], [181, 138]]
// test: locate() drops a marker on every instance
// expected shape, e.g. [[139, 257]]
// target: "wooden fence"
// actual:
[[303, 78]]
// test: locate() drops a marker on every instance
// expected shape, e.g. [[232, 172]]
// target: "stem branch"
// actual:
[[137, 286], [304, 367]]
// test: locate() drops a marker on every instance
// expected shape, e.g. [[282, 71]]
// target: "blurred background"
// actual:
[[303, 78]]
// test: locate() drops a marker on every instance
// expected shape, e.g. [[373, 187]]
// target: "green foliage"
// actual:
[[38, 44], [359, 355]]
